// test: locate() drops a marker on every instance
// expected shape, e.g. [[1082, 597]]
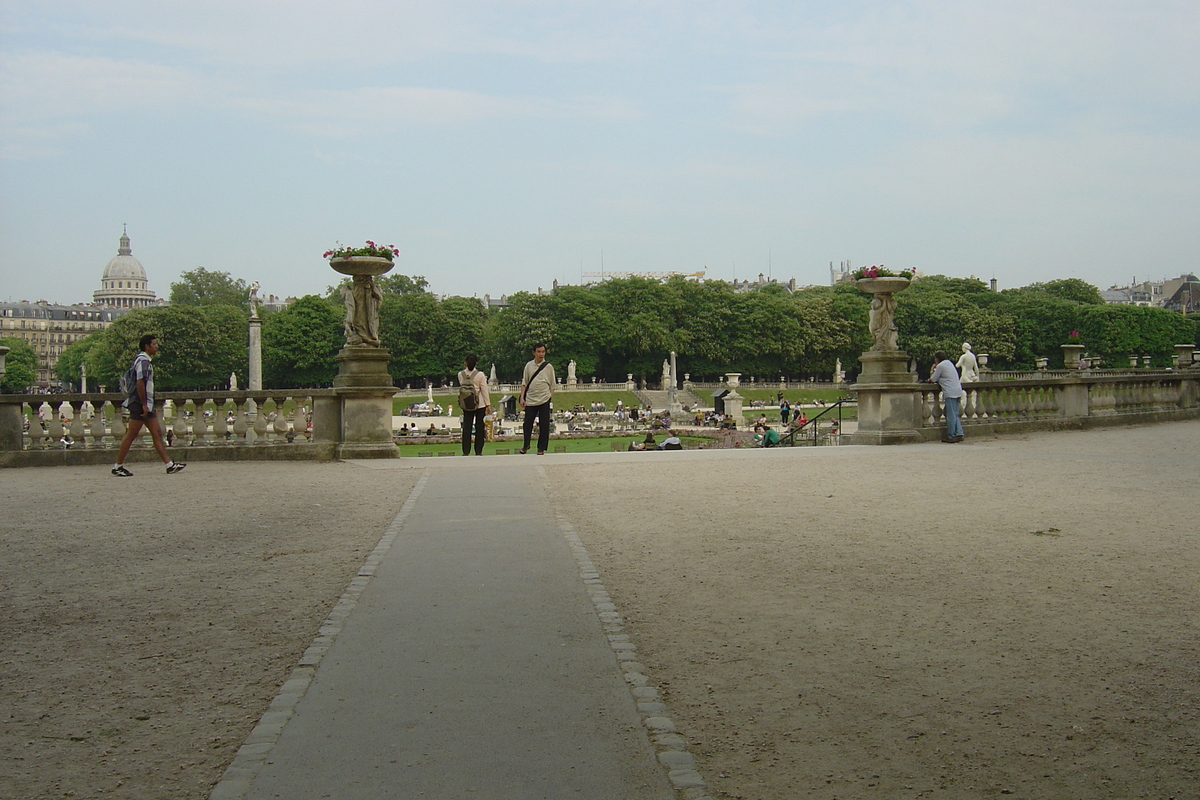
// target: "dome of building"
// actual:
[[123, 284], [123, 265]]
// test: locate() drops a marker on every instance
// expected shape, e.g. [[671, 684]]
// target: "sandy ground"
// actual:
[[147, 622], [1005, 617]]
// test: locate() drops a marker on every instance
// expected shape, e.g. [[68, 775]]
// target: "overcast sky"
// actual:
[[503, 145]]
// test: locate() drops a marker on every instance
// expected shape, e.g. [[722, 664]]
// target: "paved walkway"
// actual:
[[477, 655]]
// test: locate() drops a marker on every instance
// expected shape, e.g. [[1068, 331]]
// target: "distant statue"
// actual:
[[254, 287], [666, 376], [571, 370], [233, 381], [968, 365], [362, 298], [492, 379], [882, 322]]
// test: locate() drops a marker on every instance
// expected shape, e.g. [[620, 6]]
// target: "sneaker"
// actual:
[[120, 471], [171, 470]]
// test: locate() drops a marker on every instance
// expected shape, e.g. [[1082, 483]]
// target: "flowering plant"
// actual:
[[882, 272], [387, 251], [1073, 338]]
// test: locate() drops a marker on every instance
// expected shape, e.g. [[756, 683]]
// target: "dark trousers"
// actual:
[[542, 415], [474, 419]]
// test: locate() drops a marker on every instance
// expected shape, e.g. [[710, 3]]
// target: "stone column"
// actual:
[[255, 353]]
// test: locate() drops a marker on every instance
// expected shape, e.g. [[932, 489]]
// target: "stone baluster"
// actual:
[[37, 434], [77, 430], [260, 421], [180, 426], [199, 423], [239, 422], [97, 428], [280, 425], [55, 428], [220, 427]]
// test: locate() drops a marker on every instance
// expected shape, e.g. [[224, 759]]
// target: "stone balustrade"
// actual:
[[266, 424], [1046, 401]]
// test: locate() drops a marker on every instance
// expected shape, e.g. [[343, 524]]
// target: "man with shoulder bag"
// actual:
[[537, 386], [476, 405]]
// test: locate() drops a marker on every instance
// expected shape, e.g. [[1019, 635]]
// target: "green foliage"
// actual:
[[402, 284], [1072, 289], [74, 354], [300, 343], [940, 313], [20, 366], [202, 287], [199, 346]]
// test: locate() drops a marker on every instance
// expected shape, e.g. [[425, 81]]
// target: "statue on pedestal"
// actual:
[[968, 365], [363, 298], [571, 371], [666, 375], [254, 287], [882, 322]]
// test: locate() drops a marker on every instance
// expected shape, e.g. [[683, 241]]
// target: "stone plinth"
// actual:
[[733, 407], [365, 390], [889, 400]]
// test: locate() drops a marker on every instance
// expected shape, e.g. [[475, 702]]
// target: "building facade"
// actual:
[[49, 328], [124, 284]]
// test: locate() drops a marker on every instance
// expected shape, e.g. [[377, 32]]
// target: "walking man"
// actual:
[[537, 386], [945, 375], [140, 402], [476, 404]]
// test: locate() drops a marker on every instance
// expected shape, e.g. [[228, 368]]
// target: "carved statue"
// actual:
[[254, 287], [666, 376], [362, 298], [882, 322], [233, 381], [968, 365], [571, 370]]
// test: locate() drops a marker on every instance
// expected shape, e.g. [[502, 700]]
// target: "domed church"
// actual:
[[124, 281]]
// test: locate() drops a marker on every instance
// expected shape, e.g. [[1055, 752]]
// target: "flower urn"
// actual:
[[361, 265]]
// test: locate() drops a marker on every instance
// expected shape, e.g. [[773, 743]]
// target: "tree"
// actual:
[[1073, 289], [939, 313], [402, 284], [201, 346], [20, 366], [301, 342], [202, 287]]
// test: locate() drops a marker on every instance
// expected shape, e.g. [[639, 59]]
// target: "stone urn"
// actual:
[[362, 265], [1071, 354], [887, 285]]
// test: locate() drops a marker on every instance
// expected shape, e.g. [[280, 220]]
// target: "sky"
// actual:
[[504, 145]]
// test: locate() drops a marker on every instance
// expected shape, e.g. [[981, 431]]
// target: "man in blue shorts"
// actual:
[[140, 402]]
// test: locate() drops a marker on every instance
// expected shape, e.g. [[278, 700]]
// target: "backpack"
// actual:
[[466, 393], [127, 383]]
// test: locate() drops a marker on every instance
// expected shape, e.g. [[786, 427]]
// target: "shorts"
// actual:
[[137, 412]]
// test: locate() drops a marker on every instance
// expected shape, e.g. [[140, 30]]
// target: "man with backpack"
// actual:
[[475, 403], [137, 384]]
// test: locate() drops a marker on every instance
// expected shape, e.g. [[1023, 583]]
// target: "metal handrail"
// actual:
[[789, 439]]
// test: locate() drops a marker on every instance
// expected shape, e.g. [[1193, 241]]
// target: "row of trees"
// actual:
[[622, 326]]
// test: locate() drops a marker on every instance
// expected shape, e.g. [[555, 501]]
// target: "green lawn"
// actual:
[[563, 399], [803, 395], [600, 445]]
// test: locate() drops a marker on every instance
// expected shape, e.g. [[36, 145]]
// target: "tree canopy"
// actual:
[[20, 366], [627, 325]]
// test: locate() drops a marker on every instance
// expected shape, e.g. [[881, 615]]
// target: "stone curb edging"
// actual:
[[670, 748], [240, 774]]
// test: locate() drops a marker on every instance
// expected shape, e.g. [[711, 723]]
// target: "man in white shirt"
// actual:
[[945, 375], [537, 387]]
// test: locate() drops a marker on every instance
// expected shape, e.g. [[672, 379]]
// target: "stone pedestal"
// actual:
[[889, 401], [365, 390], [733, 407]]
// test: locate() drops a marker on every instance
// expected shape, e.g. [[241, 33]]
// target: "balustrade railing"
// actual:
[[260, 418], [1079, 394]]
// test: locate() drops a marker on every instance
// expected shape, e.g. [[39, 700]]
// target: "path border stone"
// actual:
[[670, 747], [252, 755]]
